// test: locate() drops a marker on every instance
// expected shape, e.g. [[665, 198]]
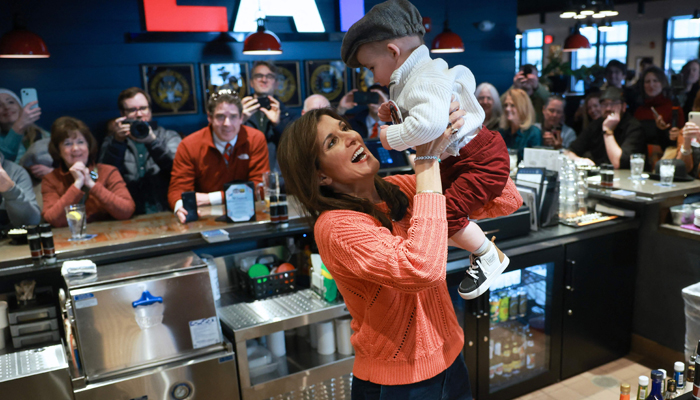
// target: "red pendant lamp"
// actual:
[[447, 42], [21, 43], [576, 41], [262, 42]]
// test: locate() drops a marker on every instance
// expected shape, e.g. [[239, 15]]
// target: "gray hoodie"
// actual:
[[18, 205]]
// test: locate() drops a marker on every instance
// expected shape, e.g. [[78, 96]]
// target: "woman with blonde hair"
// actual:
[[487, 96], [517, 127]]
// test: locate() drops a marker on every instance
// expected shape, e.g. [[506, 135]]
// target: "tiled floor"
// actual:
[[602, 383]]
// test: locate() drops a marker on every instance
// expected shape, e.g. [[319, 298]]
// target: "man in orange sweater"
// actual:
[[222, 152]]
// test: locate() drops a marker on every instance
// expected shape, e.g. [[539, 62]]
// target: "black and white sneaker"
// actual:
[[482, 272]]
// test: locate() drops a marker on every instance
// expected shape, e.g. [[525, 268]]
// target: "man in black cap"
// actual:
[[612, 138]]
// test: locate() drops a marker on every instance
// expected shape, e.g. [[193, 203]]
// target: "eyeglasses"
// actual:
[[136, 109], [223, 92], [269, 77]]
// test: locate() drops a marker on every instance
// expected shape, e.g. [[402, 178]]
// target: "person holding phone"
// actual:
[[263, 111], [222, 152], [528, 80], [366, 122], [79, 179], [555, 133], [18, 130]]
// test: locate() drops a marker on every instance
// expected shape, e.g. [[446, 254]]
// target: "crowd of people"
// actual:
[[42, 171]]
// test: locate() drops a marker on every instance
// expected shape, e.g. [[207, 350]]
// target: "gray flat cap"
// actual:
[[613, 93], [389, 20]]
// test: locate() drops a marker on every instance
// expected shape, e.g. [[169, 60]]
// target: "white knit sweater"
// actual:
[[422, 88]]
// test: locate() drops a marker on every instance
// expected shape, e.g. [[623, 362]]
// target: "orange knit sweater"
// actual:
[[404, 327]]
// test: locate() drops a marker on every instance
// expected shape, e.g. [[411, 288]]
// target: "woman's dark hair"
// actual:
[[685, 71], [660, 75], [61, 130], [298, 158]]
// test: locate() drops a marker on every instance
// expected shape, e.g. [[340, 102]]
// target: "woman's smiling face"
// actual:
[[343, 157]]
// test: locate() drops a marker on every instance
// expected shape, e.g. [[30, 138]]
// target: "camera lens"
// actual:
[[139, 129]]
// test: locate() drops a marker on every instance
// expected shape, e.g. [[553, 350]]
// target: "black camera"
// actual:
[[527, 70], [264, 102], [366, 97], [138, 129]]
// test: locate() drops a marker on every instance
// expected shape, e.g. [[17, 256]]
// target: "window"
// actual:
[[682, 42], [529, 49], [605, 47]]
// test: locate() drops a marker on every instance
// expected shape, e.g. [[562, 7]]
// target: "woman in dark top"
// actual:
[[658, 119], [691, 80]]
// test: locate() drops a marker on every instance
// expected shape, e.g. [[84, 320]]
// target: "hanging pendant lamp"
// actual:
[[262, 42], [447, 42], [21, 43], [576, 41]]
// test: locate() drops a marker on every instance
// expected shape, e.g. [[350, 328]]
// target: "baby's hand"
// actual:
[[384, 112], [382, 137]]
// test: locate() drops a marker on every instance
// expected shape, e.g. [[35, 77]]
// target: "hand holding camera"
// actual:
[[138, 130]]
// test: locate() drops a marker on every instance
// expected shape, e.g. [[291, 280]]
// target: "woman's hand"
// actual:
[[690, 131], [661, 124], [438, 146], [28, 117], [673, 133], [76, 171], [89, 183]]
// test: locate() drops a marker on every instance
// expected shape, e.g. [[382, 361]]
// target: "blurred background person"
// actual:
[[18, 130], [487, 96], [517, 123], [365, 122], [18, 205], [528, 80], [555, 133], [588, 112], [315, 101], [655, 114], [78, 179], [691, 80]]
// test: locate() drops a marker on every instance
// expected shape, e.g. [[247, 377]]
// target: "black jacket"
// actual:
[[357, 123], [628, 134], [153, 185], [272, 133]]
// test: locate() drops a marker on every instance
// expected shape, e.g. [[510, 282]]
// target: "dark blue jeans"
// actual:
[[452, 383]]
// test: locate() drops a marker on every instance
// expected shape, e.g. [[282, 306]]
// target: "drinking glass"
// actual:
[[667, 170], [636, 166], [75, 215], [513, 155]]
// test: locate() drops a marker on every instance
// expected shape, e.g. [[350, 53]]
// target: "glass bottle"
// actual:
[[507, 360], [656, 384], [679, 375], [643, 389], [530, 362], [625, 391], [671, 390], [690, 375]]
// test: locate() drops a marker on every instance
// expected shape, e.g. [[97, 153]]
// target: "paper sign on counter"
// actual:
[[205, 332]]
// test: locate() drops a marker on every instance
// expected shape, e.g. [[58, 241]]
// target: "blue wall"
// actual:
[[91, 63]]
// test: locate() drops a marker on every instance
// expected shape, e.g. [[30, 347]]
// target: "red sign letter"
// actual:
[[167, 16]]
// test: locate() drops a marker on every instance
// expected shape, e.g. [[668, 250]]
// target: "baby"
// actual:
[[388, 41]]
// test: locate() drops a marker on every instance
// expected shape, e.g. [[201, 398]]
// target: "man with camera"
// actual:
[[555, 133], [263, 111], [366, 122], [527, 80], [142, 151]]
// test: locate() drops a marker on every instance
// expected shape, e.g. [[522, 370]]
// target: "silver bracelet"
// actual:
[[428, 191], [420, 158]]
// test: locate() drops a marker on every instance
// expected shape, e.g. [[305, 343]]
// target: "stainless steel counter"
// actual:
[[647, 191]]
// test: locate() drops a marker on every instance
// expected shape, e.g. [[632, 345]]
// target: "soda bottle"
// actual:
[[656, 384], [625, 391]]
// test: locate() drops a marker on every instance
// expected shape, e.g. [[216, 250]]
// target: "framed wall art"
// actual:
[[232, 76], [171, 87], [362, 78], [327, 78], [288, 83]]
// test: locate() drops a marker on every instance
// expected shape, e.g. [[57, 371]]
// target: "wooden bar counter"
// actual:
[[146, 235]]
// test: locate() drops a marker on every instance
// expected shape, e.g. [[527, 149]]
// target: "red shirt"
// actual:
[[199, 166], [109, 198]]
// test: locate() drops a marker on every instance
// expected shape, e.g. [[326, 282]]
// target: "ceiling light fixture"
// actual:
[[576, 41], [447, 41], [262, 42], [605, 26], [21, 43], [518, 34]]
